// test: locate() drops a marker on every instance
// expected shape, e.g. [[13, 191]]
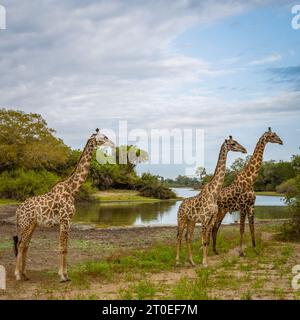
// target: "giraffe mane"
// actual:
[[82, 153]]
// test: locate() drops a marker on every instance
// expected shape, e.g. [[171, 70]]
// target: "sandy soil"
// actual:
[[88, 244]]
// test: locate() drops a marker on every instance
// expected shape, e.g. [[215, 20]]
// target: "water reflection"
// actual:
[[165, 212]]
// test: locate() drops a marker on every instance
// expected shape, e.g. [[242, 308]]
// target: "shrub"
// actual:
[[287, 187], [157, 191], [20, 184], [291, 230], [86, 192], [152, 186]]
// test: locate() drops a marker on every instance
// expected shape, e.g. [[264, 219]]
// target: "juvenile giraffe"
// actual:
[[203, 207], [240, 196], [54, 208]]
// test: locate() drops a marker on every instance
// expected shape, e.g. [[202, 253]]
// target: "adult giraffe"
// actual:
[[56, 207], [240, 195], [203, 207]]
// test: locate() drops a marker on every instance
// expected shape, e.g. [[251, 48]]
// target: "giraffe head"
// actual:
[[101, 139], [272, 137], [233, 145]]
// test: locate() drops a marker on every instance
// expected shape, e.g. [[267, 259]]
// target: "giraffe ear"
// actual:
[[230, 137]]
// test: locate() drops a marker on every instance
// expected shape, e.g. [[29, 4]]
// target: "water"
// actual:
[[165, 212]]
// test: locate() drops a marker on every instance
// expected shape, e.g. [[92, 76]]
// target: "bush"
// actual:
[[288, 187], [151, 186], [86, 192], [291, 230], [20, 184]]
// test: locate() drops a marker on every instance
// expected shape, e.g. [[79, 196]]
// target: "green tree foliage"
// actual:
[[128, 157], [183, 181], [295, 161], [26, 142], [290, 231], [273, 174], [20, 184], [153, 186]]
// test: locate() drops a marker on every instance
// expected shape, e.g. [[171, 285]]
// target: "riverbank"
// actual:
[[269, 193], [116, 195], [112, 195], [138, 263], [119, 195]]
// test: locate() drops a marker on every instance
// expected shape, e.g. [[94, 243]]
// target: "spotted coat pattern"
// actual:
[[56, 207], [203, 207], [240, 195]]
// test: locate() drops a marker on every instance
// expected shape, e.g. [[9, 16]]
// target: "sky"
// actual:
[[227, 67]]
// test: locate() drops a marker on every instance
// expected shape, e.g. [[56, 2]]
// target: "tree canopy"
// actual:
[[27, 142]]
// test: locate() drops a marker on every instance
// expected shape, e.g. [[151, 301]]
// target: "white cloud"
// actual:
[[268, 59], [85, 64]]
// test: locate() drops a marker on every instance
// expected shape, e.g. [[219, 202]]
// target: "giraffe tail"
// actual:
[[15, 238], [16, 241]]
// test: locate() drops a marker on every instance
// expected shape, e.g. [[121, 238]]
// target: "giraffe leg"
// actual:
[[205, 241], [190, 234], [180, 229], [251, 225], [242, 230], [214, 233], [26, 245], [23, 244], [63, 249]]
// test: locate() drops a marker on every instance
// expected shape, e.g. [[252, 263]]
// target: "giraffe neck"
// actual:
[[251, 171], [218, 179], [78, 177]]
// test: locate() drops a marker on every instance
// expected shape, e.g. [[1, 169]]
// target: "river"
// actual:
[[109, 214]]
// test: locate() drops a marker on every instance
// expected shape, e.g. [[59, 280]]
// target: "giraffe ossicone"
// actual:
[[56, 207]]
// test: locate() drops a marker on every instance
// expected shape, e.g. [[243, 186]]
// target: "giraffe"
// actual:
[[203, 208], [240, 196], [54, 208]]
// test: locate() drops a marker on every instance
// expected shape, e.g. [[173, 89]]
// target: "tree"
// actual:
[[296, 163], [273, 174], [128, 157], [239, 164], [27, 142]]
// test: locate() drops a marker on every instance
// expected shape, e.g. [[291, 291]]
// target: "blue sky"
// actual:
[[228, 67]]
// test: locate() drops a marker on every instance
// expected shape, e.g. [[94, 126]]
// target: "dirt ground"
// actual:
[[266, 277]]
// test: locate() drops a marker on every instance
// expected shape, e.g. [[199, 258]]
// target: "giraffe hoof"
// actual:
[[216, 252], [25, 277], [18, 278], [177, 264], [64, 280], [242, 254], [192, 263]]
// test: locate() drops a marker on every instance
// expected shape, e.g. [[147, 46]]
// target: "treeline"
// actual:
[[273, 176], [32, 159]]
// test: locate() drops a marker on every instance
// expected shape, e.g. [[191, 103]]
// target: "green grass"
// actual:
[[247, 295], [141, 290], [191, 289], [258, 283], [116, 195], [158, 258], [269, 193], [6, 244], [231, 277], [5, 202]]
